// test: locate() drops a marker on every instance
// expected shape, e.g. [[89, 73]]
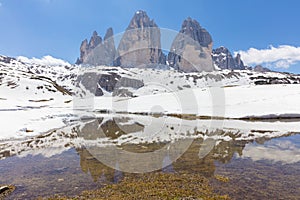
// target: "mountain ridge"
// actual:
[[118, 81], [140, 46]]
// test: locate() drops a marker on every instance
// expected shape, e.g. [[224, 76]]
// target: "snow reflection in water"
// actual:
[[64, 161]]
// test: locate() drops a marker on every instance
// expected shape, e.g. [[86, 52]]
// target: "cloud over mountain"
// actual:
[[282, 56], [46, 60]]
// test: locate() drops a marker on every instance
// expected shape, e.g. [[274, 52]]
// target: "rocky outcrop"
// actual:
[[223, 59], [239, 64], [96, 52], [191, 49], [140, 45], [113, 83], [94, 41], [259, 68], [6, 59], [86, 47], [109, 33], [6, 190]]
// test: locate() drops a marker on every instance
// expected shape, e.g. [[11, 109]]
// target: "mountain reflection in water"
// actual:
[[100, 148]]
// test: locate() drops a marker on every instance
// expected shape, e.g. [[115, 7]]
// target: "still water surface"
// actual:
[[259, 163]]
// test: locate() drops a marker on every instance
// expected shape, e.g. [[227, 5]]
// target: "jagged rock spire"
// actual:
[[96, 51], [140, 45]]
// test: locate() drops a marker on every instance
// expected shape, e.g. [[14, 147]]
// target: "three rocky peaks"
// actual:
[[140, 46]]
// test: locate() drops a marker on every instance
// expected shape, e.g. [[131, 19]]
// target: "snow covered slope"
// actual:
[[36, 98], [109, 81], [33, 98], [251, 101]]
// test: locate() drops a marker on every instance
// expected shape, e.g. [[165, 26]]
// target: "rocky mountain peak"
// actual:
[[259, 68], [222, 49], [140, 45], [141, 20], [239, 64], [193, 29], [191, 49], [95, 40], [96, 51], [223, 59], [109, 33]]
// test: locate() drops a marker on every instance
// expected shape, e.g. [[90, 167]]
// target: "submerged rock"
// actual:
[[6, 190]]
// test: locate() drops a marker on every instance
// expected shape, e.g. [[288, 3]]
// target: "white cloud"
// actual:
[[279, 57], [46, 60]]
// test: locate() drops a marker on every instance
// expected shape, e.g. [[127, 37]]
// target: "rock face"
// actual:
[[97, 84], [239, 64], [96, 52], [94, 41], [223, 59], [140, 45], [191, 49], [86, 47]]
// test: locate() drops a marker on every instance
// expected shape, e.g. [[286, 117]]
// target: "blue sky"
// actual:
[[35, 28]]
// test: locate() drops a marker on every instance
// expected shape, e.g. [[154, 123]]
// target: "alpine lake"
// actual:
[[155, 157]]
